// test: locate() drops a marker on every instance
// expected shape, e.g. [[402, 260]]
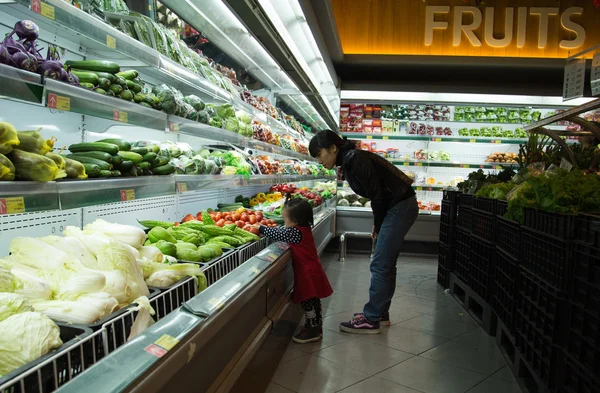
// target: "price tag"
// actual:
[[59, 102], [419, 188], [406, 163], [385, 137], [111, 42], [419, 164], [120, 116], [472, 140], [464, 166], [12, 205], [173, 127], [254, 270], [430, 189], [369, 136], [564, 164], [182, 187], [47, 10], [155, 351], [167, 342], [127, 195], [437, 139], [216, 303]]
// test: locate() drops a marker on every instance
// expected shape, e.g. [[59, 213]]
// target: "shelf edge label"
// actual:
[[120, 116], [111, 42], [173, 127], [155, 350], [127, 195], [59, 102], [182, 187], [166, 342], [12, 205]]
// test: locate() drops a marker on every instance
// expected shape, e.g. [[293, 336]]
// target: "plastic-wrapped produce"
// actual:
[[200, 163], [35, 167], [7, 169], [185, 149], [75, 169], [33, 142], [195, 101], [8, 137], [169, 150], [189, 165]]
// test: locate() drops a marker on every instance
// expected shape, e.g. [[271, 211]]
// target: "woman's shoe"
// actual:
[[360, 325], [384, 321]]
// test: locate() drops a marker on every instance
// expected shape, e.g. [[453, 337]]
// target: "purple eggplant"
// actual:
[[25, 61], [72, 78], [5, 56], [27, 30], [54, 70], [13, 46]]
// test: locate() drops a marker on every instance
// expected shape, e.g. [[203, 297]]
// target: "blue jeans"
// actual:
[[396, 224]]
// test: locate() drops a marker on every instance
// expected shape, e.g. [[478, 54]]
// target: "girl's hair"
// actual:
[[326, 139], [299, 211]]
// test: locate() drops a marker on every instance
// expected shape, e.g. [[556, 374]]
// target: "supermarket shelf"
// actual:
[[437, 164], [187, 183], [365, 210], [66, 97], [429, 188], [20, 85], [564, 115], [429, 138]]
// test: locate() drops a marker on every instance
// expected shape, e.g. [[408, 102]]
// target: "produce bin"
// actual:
[[462, 260], [481, 271], [559, 225], [588, 229], [506, 290], [547, 257], [483, 225], [508, 236], [464, 219]]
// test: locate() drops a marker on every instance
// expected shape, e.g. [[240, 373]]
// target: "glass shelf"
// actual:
[[430, 138], [21, 85]]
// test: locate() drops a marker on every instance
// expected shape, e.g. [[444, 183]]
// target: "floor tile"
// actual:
[[438, 325], [364, 356], [406, 340], [252, 383], [495, 385], [481, 356], [311, 374], [505, 374], [416, 303], [377, 385], [329, 338], [454, 312], [432, 377], [271, 354]]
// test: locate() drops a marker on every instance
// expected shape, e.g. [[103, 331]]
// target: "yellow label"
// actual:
[[123, 117], [254, 270], [182, 187], [465, 166], [216, 303], [127, 195], [167, 342], [47, 11], [12, 205], [472, 140], [111, 42], [369, 136], [438, 139], [385, 138], [419, 188], [406, 163], [63, 103], [419, 164]]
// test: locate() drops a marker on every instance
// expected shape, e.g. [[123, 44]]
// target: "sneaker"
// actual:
[[360, 325], [308, 335], [384, 321]]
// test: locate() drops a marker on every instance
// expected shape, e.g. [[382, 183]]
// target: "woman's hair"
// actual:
[[326, 139], [299, 211]]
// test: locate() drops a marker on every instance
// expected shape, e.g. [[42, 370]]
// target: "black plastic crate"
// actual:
[[543, 307], [446, 256], [508, 236], [464, 217], [556, 224], [451, 196], [481, 271], [542, 357], [443, 277], [583, 338], [447, 234], [485, 204], [483, 225], [586, 294], [462, 256], [586, 263], [547, 257], [506, 289], [578, 379], [466, 200], [501, 207], [588, 229], [448, 213]]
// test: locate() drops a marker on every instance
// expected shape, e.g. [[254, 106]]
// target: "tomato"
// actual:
[[188, 217], [176, 224], [245, 217], [218, 216], [228, 217], [253, 220], [250, 211], [236, 216], [228, 222], [254, 231], [259, 216], [220, 223]]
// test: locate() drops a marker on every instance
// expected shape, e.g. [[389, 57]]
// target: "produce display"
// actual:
[[424, 129], [493, 132], [504, 158], [496, 115]]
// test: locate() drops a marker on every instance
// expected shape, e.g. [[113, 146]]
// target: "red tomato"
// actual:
[[228, 223], [259, 216], [252, 220], [220, 223], [249, 211], [254, 230], [236, 216], [245, 217], [188, 217], [218, 216], [240, 224], [228, 217], [176, 224]]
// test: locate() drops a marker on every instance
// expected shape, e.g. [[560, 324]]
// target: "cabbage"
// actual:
[[25, 337], [225, 111], [79, 284], [161, 275], [7, 280], [29, 285], [11, 303], [127, 234], [117, 287], [232, 124], [86, 310], [73, 247], [244, 116], [37, 254], [151, 253]]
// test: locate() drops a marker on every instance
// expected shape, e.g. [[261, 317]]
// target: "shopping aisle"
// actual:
[[432, 347]]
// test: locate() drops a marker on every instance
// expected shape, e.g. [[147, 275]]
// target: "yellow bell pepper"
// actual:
[[261, 197], [241, 210], [254, 202], [272, 198]]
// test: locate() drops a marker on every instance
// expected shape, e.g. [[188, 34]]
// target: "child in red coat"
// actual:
[[310, 281]]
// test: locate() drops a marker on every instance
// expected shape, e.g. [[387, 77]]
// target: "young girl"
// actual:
[[310, 282]]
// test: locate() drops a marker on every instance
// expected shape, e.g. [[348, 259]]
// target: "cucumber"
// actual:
[[231, 206], [149, 157], [110, 93], [103, 165], [106, 75], [117, 89], [144, 165], [104, 173], [126, 166], [116, 173], [91, 170], [146, 105], [140, 150], [163, 169], [116, 160], [126, 95], [103, 83], [153, 148], [129, 74], [101, 91], [109, 148], [121, 81], [94, 65], [87, 85], [147, 172], [99, 155], [129, 84], [138, 98], [121, 143], [163, 160], [131, 156], [86, 77], [137, 88]]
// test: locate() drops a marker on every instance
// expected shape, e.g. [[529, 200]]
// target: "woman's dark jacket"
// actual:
[[372, 176]]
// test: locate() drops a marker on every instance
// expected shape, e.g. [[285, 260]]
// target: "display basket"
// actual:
[[508, 236], [481, 270], [451, 196], [464, 218], [506, 290], [583, 338], [485, 204], [222, 266], [483, 225], [547, 257], [462, 259], [588, 229], [448, 213], [559, 225]]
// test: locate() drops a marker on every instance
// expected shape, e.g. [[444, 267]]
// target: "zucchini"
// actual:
[[126, 166], [154, 163], [91, 170], [129, 84], [149, 157], [109, 148], [104, 173], [146, 105], [139, 150], [87, 85], [116, 160], [103, 165], [110, 93], [230, 206], [117, 89], [163, 169], [153, 148], [131, 156], [129, 74], [103, 83], [144, 165], [86, 77], [116, 173], [137, 88], [121, 143], [94, 65], [126, 95], [121, 81], [101, 91], [99, 155], [106, 75], [138, 98]]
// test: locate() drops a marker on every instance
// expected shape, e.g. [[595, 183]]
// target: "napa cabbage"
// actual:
[[12, 303]]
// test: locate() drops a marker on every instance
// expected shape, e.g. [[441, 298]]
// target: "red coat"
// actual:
[[310, 280]]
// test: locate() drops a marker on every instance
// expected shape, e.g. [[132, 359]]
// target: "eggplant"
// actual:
[[72, 78], [5, 56], [27, 30], [25, 61]]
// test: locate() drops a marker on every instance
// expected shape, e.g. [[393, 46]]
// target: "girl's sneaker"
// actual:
[[308, 335], [384, 321], [360, 325]]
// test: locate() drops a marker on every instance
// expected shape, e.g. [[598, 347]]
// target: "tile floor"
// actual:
[[432, 346]]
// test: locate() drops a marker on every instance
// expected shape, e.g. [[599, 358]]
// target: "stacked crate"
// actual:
[[462, 257], [447, 237], [483, 229]]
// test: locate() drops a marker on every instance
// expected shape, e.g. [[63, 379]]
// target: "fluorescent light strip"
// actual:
[[482, 99]]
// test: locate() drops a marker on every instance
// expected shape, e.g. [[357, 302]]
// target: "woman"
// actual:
[[395, 210]]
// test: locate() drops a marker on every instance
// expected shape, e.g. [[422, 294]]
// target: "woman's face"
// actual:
[[327, 156]]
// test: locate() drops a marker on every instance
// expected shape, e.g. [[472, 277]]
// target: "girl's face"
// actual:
[[327, 156], [286, 219]]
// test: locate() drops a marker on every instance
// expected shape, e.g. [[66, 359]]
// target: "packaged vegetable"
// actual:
[[8, 137], [195, 102], [33, 142], [35, 167], [7, 169], [58, 160], [74, 169]]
